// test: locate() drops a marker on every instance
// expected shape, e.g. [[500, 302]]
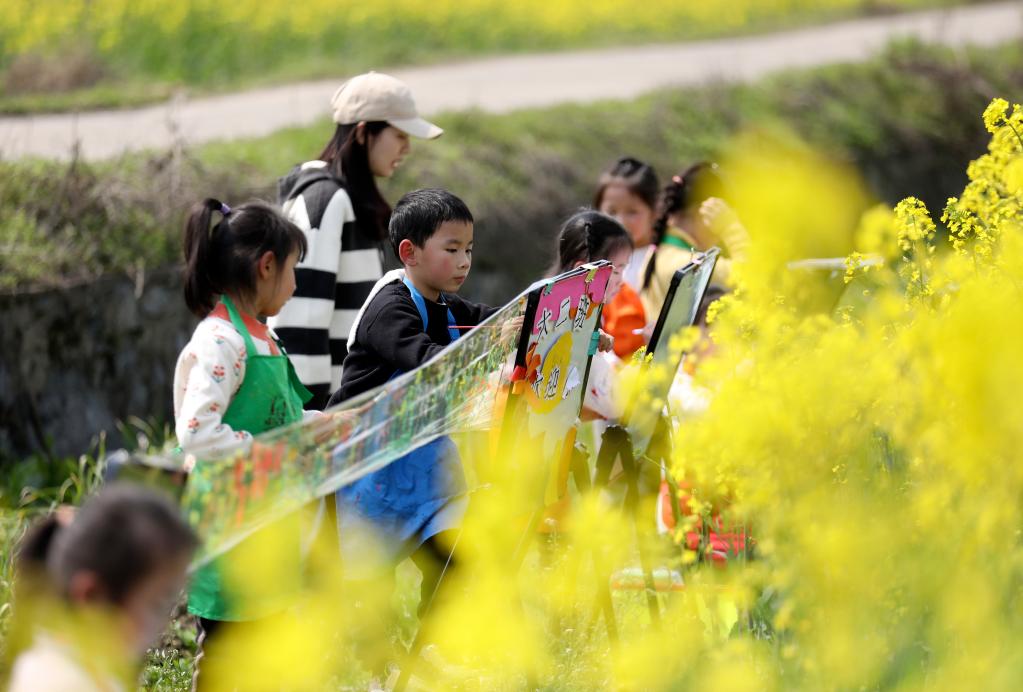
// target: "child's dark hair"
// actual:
[[348, 161], [638, 178], [222, 257], [123, 535], [587, 236], [685, 192], [418, 215]]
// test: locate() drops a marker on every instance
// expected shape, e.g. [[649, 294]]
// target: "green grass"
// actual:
[[209, 52], [103, 96]]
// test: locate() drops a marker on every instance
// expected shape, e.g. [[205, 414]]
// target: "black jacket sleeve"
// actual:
[[397, 337]]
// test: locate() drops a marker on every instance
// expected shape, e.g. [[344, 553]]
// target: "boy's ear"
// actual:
[[266, 264], [85, 587], [407, 253]]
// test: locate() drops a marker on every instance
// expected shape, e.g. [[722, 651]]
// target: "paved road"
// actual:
[[507, 83]]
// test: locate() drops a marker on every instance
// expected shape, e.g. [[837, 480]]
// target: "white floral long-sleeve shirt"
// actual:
[[209, 372], [52, 666]]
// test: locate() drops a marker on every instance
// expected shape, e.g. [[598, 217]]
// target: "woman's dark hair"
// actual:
[[222, 257], [348, 161], [638, 178], [685, 192], [123, 535], [586, 236]]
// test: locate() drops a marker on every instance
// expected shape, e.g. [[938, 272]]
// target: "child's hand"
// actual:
[[717, 215], [724, 223], [322, 427], [327, 425], [605, 341], [511, 328]]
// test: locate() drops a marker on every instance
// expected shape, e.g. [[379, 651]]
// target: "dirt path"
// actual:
[[507, 83]]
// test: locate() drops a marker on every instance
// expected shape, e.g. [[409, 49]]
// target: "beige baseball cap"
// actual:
[[375, 96]]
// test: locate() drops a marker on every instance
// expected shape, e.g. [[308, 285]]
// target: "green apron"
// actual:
[[677, 241], [262, 574]]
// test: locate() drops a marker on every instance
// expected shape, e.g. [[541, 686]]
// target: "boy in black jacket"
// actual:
[[413, 506], [432, 234]]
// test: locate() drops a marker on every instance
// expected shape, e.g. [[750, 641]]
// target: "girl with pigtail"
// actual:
[[233, 380], [692, 217], [589, 236]]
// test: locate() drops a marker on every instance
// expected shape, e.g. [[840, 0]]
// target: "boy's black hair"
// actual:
[[418, 215]]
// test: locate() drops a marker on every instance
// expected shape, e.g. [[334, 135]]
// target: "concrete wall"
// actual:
[[74, 361]]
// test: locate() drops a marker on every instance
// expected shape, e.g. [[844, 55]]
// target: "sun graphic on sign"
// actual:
[[549, 385]]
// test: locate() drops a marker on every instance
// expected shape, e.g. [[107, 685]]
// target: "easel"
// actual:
[[513, 422], [618, 443], [617, 446]]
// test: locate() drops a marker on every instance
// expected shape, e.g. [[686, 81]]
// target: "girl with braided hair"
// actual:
[[691, 217]]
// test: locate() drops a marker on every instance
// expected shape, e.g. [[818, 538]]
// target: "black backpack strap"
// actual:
[[285, 193]]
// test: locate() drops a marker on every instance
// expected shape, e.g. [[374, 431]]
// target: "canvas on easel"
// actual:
[[644, 424], [681, 304], [537, 406]]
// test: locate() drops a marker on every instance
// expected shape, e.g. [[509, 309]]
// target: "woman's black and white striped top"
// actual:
[[343, 262]]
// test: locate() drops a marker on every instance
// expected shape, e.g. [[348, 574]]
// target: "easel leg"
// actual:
[[405, 672], [631, 471], [612, 446]]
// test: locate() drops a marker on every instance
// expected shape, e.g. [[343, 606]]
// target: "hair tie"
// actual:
[[224, 209]]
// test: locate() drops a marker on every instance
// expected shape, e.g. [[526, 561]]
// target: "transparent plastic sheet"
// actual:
[[678, 312], [463, 388]]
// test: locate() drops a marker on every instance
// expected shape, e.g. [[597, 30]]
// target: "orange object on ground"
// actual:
[[721, 542]]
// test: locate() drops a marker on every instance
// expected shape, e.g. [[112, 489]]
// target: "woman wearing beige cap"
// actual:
[[335, 201]]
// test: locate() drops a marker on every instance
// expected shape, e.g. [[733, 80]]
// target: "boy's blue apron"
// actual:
[[385, 516]]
